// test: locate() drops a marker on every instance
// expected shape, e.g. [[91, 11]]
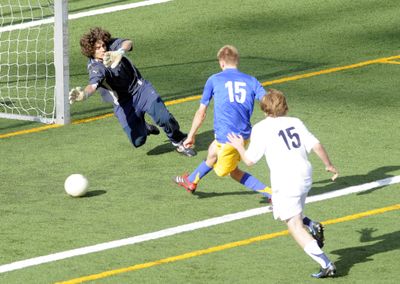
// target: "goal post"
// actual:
[[61, 62], [34, 62]]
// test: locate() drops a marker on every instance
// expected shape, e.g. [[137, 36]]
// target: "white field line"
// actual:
[[83, 14], [186, 228]]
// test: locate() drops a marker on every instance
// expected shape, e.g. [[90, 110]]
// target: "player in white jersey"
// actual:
[[285, 142]]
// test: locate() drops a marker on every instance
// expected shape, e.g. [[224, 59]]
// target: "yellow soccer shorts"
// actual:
[[228, 158]]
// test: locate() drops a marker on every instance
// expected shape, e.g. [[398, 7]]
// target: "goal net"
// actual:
[[29, 38]]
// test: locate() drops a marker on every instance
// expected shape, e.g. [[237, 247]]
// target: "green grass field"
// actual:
[[354, 112]]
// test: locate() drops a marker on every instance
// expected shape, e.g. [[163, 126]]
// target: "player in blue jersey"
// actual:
[[120, 82], [234, 95]]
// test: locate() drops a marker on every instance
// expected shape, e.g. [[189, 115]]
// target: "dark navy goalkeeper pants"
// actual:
[[131, 116]]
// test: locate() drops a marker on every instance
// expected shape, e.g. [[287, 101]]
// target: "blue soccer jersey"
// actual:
[[234, 94]]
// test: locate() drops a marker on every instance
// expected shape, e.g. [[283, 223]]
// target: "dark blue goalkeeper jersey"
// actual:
[[123, 80]]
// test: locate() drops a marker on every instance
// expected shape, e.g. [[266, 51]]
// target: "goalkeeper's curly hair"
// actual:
[[88, 40]]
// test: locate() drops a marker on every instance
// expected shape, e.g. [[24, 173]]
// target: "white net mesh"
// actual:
[[27, 76]]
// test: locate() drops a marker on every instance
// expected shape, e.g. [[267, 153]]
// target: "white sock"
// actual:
[[314, 251]]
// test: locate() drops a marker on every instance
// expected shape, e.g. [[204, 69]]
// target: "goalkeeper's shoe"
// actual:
[[187, 151], [330, 271], [317, 232], [183, 181], [152, 129]]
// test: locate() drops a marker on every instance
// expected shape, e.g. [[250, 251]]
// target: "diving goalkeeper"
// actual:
[[120, 82]]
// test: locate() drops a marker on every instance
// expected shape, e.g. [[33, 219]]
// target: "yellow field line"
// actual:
[[221, 247], [94, 118], [391, 62], [179, 101], [192, 98], [331, 70], [28, 131]]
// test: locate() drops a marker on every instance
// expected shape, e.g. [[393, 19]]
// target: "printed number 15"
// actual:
[[293, 136], [236, 91]]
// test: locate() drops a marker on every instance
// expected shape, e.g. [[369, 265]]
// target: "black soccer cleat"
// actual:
[[317, 231], [330, 271], [187, 151], [152, 129]]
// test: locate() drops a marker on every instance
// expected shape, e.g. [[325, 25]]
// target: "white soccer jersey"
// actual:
[[285, 142]]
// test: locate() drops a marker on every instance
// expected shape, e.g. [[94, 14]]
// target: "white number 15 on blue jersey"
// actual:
[[236, 91]]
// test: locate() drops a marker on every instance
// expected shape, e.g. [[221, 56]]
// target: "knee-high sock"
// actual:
[[254, 184], [313, 250], [199, 172], [307, 221]]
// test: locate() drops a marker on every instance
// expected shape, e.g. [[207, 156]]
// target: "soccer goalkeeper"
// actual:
[[120, 82]]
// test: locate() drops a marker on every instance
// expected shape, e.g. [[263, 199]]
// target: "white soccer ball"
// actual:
[[76, 185]]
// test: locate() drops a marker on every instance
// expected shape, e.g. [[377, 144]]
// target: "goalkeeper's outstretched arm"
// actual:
[[112, 58], [127, 45], [78, 94]]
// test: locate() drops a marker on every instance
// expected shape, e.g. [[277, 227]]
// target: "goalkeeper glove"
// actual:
[[77, 95], [112, 58]]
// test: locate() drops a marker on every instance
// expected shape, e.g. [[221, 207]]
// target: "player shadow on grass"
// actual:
[[347, 181], [206, 194], [203, 140], [348, 257]]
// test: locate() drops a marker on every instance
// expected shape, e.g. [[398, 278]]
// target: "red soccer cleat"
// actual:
[[185, 183]]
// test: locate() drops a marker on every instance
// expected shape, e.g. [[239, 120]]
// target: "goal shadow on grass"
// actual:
[[348, 257], [195, 73], [347, 181], [340, 183]]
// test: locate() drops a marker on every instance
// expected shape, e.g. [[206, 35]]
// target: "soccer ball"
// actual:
[[76, 185]]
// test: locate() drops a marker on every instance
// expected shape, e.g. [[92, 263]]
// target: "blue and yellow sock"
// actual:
[[199, 172], [254, 184]]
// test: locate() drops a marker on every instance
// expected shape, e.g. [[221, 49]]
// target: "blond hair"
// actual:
[[274, 103], [229, 54]]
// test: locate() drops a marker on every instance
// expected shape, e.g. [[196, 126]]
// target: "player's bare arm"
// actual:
[[323, 155], [198, 119]]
